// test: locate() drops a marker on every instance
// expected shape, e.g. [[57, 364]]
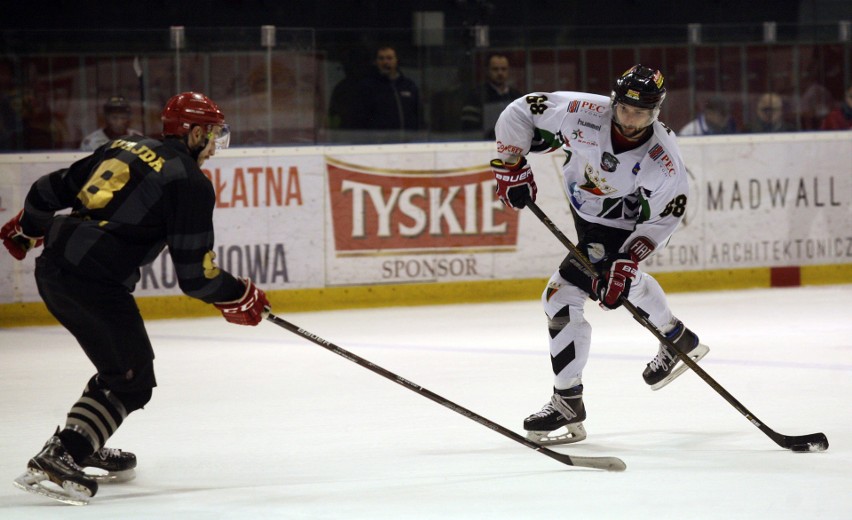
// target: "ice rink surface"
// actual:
[[257, 423]]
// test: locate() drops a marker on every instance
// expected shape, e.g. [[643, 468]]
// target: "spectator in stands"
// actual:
[[387, 99], [344, 96], [841, 117], [116, 124], [484, 103], [769, 115], [714, 119]]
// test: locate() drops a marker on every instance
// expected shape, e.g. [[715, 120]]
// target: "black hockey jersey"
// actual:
[[129, 200]]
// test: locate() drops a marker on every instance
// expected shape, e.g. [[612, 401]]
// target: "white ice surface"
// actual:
[[260, 423]]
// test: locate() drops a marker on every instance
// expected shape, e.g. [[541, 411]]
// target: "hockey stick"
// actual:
[[605, 463], [810, 442]]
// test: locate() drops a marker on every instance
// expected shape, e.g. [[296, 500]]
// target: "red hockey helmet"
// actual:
[[188, 109]]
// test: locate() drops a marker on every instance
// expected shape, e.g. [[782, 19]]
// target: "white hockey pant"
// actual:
[[570, 333]]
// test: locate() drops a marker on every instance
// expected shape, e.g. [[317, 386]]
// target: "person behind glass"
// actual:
[[116, 124], [129, 200], [841, 117], [484, 103], [713, 120], [388, 100], [627, 187], [769, 115], [344, 95]]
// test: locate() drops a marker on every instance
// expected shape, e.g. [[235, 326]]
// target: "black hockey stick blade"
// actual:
[[797, 443], [803, 443], [604, 463]]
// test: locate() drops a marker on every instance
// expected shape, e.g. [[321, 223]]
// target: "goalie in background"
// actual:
[[715, 119], [116, 115], [129, 200], [627, 189]]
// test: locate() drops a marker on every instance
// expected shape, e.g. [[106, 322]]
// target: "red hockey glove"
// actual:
[[515, 182], [248, 310], [15, 240], [614, 284]]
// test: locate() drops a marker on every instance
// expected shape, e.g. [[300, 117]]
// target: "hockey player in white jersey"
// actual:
[[627, 189]]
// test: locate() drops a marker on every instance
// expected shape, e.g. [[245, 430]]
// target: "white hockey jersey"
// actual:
[[644, 190]]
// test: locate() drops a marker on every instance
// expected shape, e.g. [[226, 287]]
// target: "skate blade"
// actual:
[[37, 482], [696, 355], [110, 477], [566, 435]]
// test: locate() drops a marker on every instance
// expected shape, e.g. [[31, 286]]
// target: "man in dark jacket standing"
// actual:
[[388, 99]]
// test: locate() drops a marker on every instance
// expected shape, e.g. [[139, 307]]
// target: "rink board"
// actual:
[[360, 226]]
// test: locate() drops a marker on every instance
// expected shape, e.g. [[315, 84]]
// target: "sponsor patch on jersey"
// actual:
[[589, 125], [609, 162], [573, 106], [577, 135], [656, 151], [508, 148]]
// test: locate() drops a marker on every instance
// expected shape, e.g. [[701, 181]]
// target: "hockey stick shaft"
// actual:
[[604, 463], [810, 442]]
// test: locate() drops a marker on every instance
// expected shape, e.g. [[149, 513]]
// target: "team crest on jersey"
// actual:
[[552, 287], [609, 162], [595, 184], [635, 169]]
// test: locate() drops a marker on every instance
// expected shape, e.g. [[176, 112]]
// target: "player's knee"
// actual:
[[136, 399], [133, 388]]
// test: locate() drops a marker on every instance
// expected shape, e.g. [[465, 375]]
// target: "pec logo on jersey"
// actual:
[[573, 106], [657, 153], [588, 106], [609, 162]]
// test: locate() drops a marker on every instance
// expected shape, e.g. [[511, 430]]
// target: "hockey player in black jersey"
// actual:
[[130, 199]]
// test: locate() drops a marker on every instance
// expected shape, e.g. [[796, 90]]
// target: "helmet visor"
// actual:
[[223, 139]]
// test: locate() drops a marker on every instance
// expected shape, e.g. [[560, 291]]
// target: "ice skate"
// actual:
[[110, 465], [666, 366], [560, 421], [53, 474]]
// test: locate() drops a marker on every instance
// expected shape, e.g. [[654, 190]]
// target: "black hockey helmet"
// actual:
[[640, 86], [116, 104]]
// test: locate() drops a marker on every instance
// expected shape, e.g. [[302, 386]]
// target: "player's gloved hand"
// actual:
[[248, 310], [615, 282], [515, 182], [15, 240]]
